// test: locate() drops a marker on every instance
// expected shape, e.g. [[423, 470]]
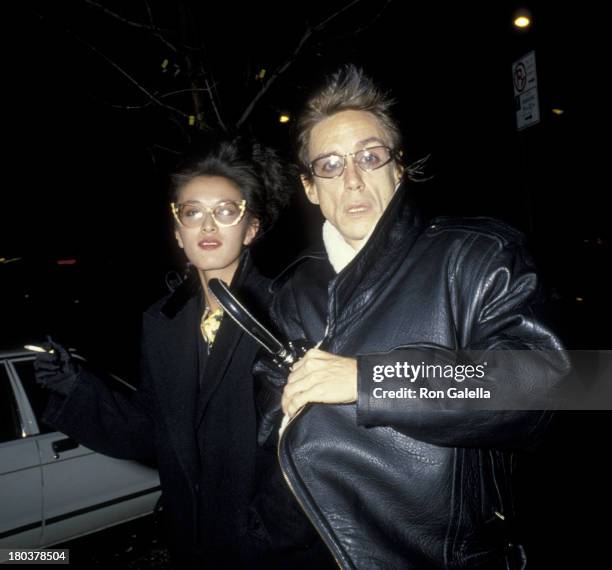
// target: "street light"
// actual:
[[522, 19]]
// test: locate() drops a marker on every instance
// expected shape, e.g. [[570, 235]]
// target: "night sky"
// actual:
[[86, 180], [449, 68], [89, 176]]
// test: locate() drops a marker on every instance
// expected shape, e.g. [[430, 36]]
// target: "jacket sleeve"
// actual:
[[107, 420], [497, 297]]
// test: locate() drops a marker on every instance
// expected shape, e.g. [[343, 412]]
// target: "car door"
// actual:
[[83, 491], [20, 473]]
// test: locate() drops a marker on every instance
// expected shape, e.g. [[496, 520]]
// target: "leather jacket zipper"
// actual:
[[327, 539]]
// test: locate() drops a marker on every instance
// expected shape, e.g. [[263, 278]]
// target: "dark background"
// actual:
[[86, 181]]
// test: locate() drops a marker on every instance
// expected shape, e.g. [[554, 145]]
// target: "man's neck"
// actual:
[[339, 250]]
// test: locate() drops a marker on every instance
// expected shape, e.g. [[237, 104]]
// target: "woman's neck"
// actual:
[[226, 274]]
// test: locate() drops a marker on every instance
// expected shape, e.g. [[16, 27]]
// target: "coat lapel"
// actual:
[[220, 356], [177, 352], [226, 342]]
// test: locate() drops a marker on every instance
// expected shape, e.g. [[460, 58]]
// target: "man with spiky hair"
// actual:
[[388, 484]]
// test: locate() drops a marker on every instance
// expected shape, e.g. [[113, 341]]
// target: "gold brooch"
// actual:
[[210, 324]]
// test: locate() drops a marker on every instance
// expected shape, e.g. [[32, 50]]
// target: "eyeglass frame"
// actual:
[[210, 210], [392, 156]]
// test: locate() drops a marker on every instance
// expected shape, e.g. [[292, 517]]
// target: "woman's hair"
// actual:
[[347, 89], [263, 178]]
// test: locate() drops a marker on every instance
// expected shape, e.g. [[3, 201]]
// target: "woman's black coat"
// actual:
[[224, 499]]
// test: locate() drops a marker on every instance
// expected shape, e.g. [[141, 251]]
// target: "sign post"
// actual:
[[525, 81]]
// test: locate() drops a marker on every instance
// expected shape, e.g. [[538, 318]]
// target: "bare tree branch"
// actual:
[[157, 32], [283, 67], [186, 30], [277, 72], [145, 105], [150, 13], [373, 20], [121, 18], [124, 107], [212, 100], [116, 66], [171, 150], [327, 20], [125, 74], [183, 44], [197, 89]]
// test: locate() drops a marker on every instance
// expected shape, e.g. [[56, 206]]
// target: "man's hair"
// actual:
[[347, 89]]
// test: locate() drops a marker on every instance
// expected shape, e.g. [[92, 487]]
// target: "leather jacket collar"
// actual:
[[395, 233]]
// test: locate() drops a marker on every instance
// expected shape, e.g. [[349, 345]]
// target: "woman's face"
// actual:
[[213, 249]]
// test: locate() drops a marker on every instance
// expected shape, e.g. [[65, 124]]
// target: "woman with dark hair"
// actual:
[[225, 503]]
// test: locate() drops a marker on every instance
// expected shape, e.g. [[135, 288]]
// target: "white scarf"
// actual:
[[339, 252]]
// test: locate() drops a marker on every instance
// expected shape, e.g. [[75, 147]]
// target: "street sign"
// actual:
[[525, 82]]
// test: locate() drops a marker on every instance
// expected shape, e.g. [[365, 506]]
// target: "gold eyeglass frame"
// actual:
[[211, 211]]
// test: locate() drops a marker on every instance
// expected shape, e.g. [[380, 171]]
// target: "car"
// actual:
[[52, 489]]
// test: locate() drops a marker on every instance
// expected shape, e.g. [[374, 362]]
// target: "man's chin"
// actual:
[[356, 232], [356, 240]]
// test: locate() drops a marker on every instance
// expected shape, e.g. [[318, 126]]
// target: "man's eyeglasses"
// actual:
[[333, 165], [227, 213]]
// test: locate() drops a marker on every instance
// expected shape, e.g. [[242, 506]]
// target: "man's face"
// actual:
[[356, 200]]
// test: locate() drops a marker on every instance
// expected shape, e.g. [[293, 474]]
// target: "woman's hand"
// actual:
[[57, 371], [320, 377]]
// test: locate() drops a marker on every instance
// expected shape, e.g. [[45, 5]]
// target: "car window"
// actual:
[[37, 395], [9, 420]]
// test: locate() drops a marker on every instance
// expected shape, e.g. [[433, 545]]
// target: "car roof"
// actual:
[[20, 351], [15, 352]]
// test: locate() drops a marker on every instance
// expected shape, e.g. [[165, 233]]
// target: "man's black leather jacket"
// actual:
[[389, 487]]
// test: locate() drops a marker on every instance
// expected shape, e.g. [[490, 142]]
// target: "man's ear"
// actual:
[[251, 232], [177, 235], [310, 188], [398, 172], [398, 169]]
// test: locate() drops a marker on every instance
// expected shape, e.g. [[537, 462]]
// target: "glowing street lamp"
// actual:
[[522, 19], [522, 22]]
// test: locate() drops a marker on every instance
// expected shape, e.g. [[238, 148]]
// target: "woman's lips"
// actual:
[[209, 244]]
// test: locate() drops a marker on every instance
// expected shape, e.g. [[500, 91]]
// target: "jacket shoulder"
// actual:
[[484, 227], [311, 261], [170, 304], [154, 310]]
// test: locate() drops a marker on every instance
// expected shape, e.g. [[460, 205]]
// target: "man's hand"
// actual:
[[320, 377]]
